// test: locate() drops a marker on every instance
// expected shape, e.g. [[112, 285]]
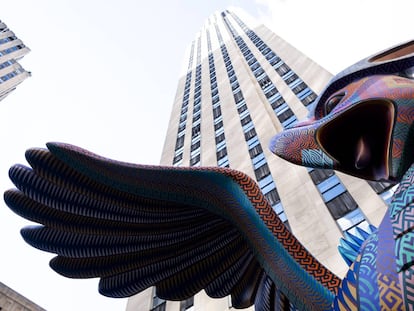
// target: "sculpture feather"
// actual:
[[180, 229]]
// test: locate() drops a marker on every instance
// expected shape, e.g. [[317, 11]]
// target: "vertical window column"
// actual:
[[195, 153], [221, 149], [261, 169], [179, 145]]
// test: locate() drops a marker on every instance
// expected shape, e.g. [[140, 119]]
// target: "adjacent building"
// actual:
[[12, 50], [11, 300], [12, 74], [242, 85]]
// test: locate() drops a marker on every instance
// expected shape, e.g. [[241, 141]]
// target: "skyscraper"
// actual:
[[11, 50], [244, 84]]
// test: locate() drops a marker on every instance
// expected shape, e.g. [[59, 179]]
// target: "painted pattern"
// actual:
[[299, 144], [187, 229], [99, 216]]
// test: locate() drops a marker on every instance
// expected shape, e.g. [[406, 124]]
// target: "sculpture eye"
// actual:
[[332, 103]]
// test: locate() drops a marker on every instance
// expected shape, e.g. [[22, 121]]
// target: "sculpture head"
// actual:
[[364, 129]]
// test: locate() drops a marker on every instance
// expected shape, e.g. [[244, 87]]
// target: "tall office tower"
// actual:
[[243, 85], [11, 50]]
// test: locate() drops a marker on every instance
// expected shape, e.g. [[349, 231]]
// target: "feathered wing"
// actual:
[[179, 229]]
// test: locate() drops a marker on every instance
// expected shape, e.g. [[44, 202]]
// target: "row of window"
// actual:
[[12, 49], [261, 168], [7, 39], [221, 149], [195, 155], [179, 144], [303, 92], [299, 87], [280, 107], [7, 63], [339, 202], [10, 75]]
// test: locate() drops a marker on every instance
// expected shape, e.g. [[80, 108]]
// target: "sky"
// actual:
[[104, 77]]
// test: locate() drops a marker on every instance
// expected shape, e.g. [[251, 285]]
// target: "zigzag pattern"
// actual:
[[99, 216], [291, 244]]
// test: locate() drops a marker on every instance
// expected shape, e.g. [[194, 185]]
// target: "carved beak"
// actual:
[[368, 133]]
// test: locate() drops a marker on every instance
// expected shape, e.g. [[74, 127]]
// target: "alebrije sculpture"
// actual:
[[187, 229]]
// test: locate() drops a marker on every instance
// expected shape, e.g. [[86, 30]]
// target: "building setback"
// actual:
[[12, 49], [243, 85]]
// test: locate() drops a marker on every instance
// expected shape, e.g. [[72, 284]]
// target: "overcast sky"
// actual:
[[104, 77]]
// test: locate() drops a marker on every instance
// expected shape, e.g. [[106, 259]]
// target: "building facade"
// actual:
[[243, 85], [11, 300], [12, 74], [12, 50]]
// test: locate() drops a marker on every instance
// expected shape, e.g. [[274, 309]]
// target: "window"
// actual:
[[259, 160], [238, 96], [273, 197], [242, 108], [299, 88], [216, 112], [254, 151], [196, 130], [319, 175], [258, 72], [245, 120], [218, 125], [266, 183], [195, 145], [277, 102], [351, 219], [282, 69], [215, 99], [291, 78], [178, 158], [262, 172], [179, 143], [285, 115], [265, 82], [187, 305], [196, 160], [380, 187], [222, 153], [219, 138], [250, 134], [158, 304], [235, 85], [341, 205], [309, 99], [272, 92], [274, 60], [333, 192]]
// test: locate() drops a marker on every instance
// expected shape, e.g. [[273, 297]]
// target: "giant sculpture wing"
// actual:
[[179, 229]]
